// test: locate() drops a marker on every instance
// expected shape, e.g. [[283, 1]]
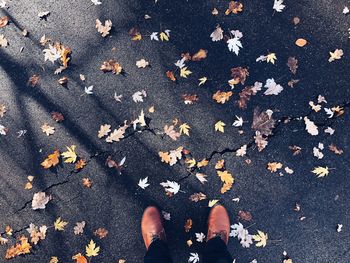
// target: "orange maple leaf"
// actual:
[[52, 160]]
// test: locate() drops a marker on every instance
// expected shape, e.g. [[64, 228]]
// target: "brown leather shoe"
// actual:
[[152, 226], [218, 223]]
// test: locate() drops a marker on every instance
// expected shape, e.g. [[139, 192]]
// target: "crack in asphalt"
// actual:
[[283, 120]]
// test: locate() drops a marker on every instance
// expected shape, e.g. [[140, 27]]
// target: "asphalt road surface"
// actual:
[[115, 201]]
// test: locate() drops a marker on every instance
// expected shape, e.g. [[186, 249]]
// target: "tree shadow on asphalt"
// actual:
[[180, 43]]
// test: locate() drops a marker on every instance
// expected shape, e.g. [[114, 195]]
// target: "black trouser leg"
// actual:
[[216, 252], [158, 252]]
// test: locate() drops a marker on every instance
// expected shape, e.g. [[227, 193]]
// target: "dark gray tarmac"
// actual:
[[115, 202]]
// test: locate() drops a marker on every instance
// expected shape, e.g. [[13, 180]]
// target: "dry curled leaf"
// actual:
[[188, 225], [170, 75], [57, 116], [80, 164], [101, 232], [200, 55], [222, 96], [196, 197], [23, 247], [262, 122], [239, 75], [244, 215], [111, 66], [63, 81], [3, 110], [335, 149], [190, 98], [274, 166], [86, 182], [292, 64], [244, 97], [234, 7], [52, 160], [33, 80], [4, 21]]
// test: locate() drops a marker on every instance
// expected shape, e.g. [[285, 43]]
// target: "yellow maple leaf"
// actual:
[[184, 72], [184, 129], [137, 37], [212, 202], [202, 81], [219, 126], [70, 155], [59, 224], [320, 171], [163, 36], [261, 239], [190, 162], [202, 163], [270, 58], [91, 249]]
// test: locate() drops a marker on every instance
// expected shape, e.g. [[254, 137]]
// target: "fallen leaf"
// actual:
[[234, 7], [79, 258], [292, 64], [220, 126], [142, 63], [320, 171], [196, 197], [261, 239], [274, 166], [337, 54], [4, 21], [79, 228], [105, 29], [3, 41], [52, 160], [59, 224], [184, 72], [91, 249], [111, 66], [262, 122], [222, 96], [169, 130], [86, 182], [40, 200], [70, 155], [33, 80], [185, 129], [300, 42], [47, 129], [310, 126], [101, 232], [57, 116], [170, 75], [188, 225], [335, 149], [200, 55]]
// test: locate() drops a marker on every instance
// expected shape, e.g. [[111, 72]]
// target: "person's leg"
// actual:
[[217, 237], [158, 252], [154, 237], [216, 252]]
